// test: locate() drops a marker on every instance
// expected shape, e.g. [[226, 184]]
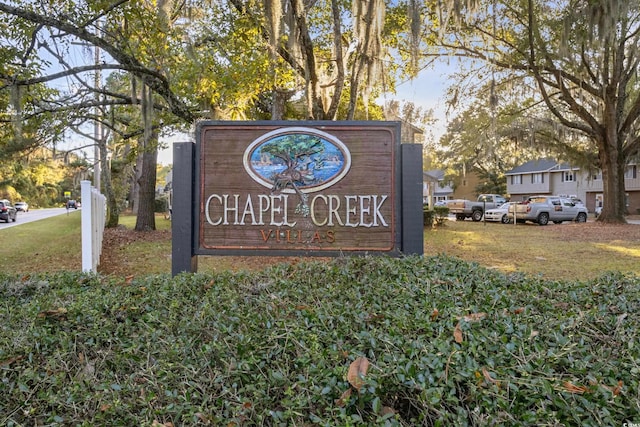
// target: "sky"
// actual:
[[428, 91]]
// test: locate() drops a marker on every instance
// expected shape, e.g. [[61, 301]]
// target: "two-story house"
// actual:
[[548, 176], [435, 188]]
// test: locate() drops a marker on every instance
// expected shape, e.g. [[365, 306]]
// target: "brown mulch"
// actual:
[[115, 240], [115, 261]]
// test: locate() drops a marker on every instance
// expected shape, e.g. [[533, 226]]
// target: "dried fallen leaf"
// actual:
[[457, 334], [474, 317], [88, 370], [59, 313], [371, 317], [434, 314], [615, 390], [387, 410], [488, 377], [11, 360], [203, 418], [344, 398], [357, 371], [519, 310], [572, 388]]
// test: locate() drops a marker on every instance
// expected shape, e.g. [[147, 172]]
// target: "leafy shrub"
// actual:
[[428, 217], [161, 204], [354, 341], [441, 212], [437, 215]]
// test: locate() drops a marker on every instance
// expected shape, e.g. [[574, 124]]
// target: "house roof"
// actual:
[[435, 174], [443, 191], [405, 125], [539, 165]]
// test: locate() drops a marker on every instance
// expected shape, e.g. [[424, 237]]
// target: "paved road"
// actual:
[[35, 215]]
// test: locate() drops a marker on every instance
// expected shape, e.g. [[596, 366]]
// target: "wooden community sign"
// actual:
[[299, 188]]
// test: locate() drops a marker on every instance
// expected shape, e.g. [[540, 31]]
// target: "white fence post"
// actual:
[[93, 219]]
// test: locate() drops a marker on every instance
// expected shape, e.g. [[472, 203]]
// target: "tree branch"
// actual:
[[155, 80]]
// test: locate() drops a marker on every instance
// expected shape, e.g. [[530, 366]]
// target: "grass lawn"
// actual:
[[51, 245], [565, 251]]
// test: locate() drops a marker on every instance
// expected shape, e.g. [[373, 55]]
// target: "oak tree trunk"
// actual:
[[613, 165], [113, 213], [145, 219]]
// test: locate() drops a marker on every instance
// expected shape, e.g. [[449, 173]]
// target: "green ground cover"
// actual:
[[362, 341]]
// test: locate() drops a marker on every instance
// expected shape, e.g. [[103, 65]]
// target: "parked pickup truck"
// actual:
[[542, 209], [474, 209]]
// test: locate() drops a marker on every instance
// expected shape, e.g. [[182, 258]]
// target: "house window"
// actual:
[[567, 176], [597, 176], [631, 172], [537, 178], [516, 179]]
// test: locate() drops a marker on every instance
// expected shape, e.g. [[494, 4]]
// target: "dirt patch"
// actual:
[[596, 232], [116, 258]]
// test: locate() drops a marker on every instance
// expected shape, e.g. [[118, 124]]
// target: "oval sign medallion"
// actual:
[[297, 159]]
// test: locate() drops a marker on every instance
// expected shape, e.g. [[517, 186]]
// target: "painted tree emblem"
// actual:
[[297, 160], [301, 155]]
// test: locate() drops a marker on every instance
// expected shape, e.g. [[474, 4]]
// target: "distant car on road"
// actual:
[[72, 204], [21, 206], [7, 211]]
